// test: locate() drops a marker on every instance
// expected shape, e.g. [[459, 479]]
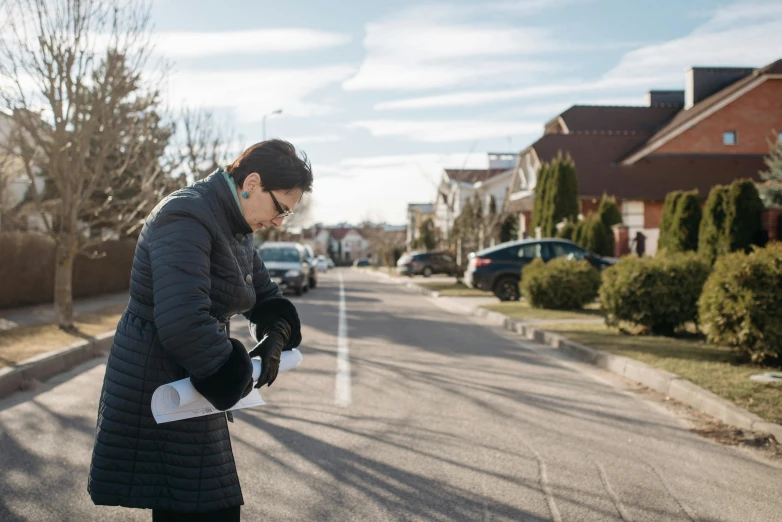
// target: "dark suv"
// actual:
[[426, 264], [498, 269]]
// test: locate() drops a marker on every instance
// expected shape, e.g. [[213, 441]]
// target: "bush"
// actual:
[[710, 235], [741, 305], [660, 294], [566, 232], [682, 233], [608, 211], [743, 209], [597, 237], [666, 220], [560, 284]]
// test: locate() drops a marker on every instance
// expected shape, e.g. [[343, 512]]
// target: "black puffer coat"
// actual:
[[194, 268]]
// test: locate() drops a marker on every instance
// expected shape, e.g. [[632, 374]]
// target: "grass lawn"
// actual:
[[22, 343], [451, 289], [711, 367], [522, 311]]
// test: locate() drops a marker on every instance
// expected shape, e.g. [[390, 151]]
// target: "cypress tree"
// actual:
[[710, 241], [597, 237], [539, 202], [683, 232], [609, 211], [666, 221], [510, 228], [743, 209], [562, 194]]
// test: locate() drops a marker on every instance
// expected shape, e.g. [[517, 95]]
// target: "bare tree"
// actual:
[[385, 244], [72, 78], [201, 143]]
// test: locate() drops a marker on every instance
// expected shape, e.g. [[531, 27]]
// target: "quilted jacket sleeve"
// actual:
[[270, 305], [179, 251]]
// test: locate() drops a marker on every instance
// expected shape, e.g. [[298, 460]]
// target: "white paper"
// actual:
[[180, 400]]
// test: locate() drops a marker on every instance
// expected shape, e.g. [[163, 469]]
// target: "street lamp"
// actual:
[[278, 111]]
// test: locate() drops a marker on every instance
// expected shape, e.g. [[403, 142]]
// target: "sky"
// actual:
[[382, 96]]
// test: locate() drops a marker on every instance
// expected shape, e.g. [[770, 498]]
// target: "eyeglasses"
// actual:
[[281, 211]]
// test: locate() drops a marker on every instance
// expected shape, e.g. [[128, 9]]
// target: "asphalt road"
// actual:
[[414, 413]]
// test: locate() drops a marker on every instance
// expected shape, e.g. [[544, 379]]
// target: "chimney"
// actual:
[[665, 98], [702, 82]]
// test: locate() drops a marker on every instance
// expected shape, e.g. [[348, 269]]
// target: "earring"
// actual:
[[245, 194]]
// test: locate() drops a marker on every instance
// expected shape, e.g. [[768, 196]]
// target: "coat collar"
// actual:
[[227, 203]]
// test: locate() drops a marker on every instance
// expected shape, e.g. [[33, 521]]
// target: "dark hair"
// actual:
[[278, 164]]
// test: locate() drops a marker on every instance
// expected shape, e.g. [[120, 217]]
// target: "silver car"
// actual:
[[287, 265]]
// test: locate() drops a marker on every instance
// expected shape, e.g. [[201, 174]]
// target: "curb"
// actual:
[[661, 381], [29, 372]]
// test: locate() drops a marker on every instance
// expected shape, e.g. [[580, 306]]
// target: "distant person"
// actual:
[[639, 242], [195, 267]]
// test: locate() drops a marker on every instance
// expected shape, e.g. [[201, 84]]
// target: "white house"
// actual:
[[459, 185]]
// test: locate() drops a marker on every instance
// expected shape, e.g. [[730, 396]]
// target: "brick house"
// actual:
[[715, 131]]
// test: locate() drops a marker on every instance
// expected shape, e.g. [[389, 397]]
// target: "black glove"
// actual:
[[270, 349]]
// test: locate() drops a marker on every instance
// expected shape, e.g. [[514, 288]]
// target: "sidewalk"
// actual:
[[11, 318]]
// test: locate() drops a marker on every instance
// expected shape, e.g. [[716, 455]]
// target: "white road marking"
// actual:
[[342, 393]]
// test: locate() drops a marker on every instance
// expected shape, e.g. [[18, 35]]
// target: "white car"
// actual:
[[323, 264]]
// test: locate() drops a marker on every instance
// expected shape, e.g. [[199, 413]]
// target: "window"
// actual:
[[729, 138], [531, 251], [566, 250]]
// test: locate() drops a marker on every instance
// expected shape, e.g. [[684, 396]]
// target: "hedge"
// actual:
[[660, 294], [741, 304], [27, 269], [560, 284]]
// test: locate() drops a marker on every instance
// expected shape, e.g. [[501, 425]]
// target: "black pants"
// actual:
[[230, 514]]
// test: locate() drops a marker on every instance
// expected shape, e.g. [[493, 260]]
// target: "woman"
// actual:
[[194, 268]]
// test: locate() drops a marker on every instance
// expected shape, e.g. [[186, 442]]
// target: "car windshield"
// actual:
[[289, 255]]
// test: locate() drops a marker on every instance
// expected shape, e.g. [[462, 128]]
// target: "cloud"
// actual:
[[315, 138], [255, 92], [743, 34], [378, 188], [439, 46], [200, 44], [443, 131], [740, 34], [473, 98]]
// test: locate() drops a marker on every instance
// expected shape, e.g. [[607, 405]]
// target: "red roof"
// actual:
[[600, 118], [598, 168]]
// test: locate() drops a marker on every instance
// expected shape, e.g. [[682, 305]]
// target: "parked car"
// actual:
[[313, 262], [363, 262], [287, 265], [426, 264], [323, 264], [498, 269]]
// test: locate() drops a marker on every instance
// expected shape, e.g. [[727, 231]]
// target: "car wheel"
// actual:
[[427, 272], [507, 288], [299, 290]]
